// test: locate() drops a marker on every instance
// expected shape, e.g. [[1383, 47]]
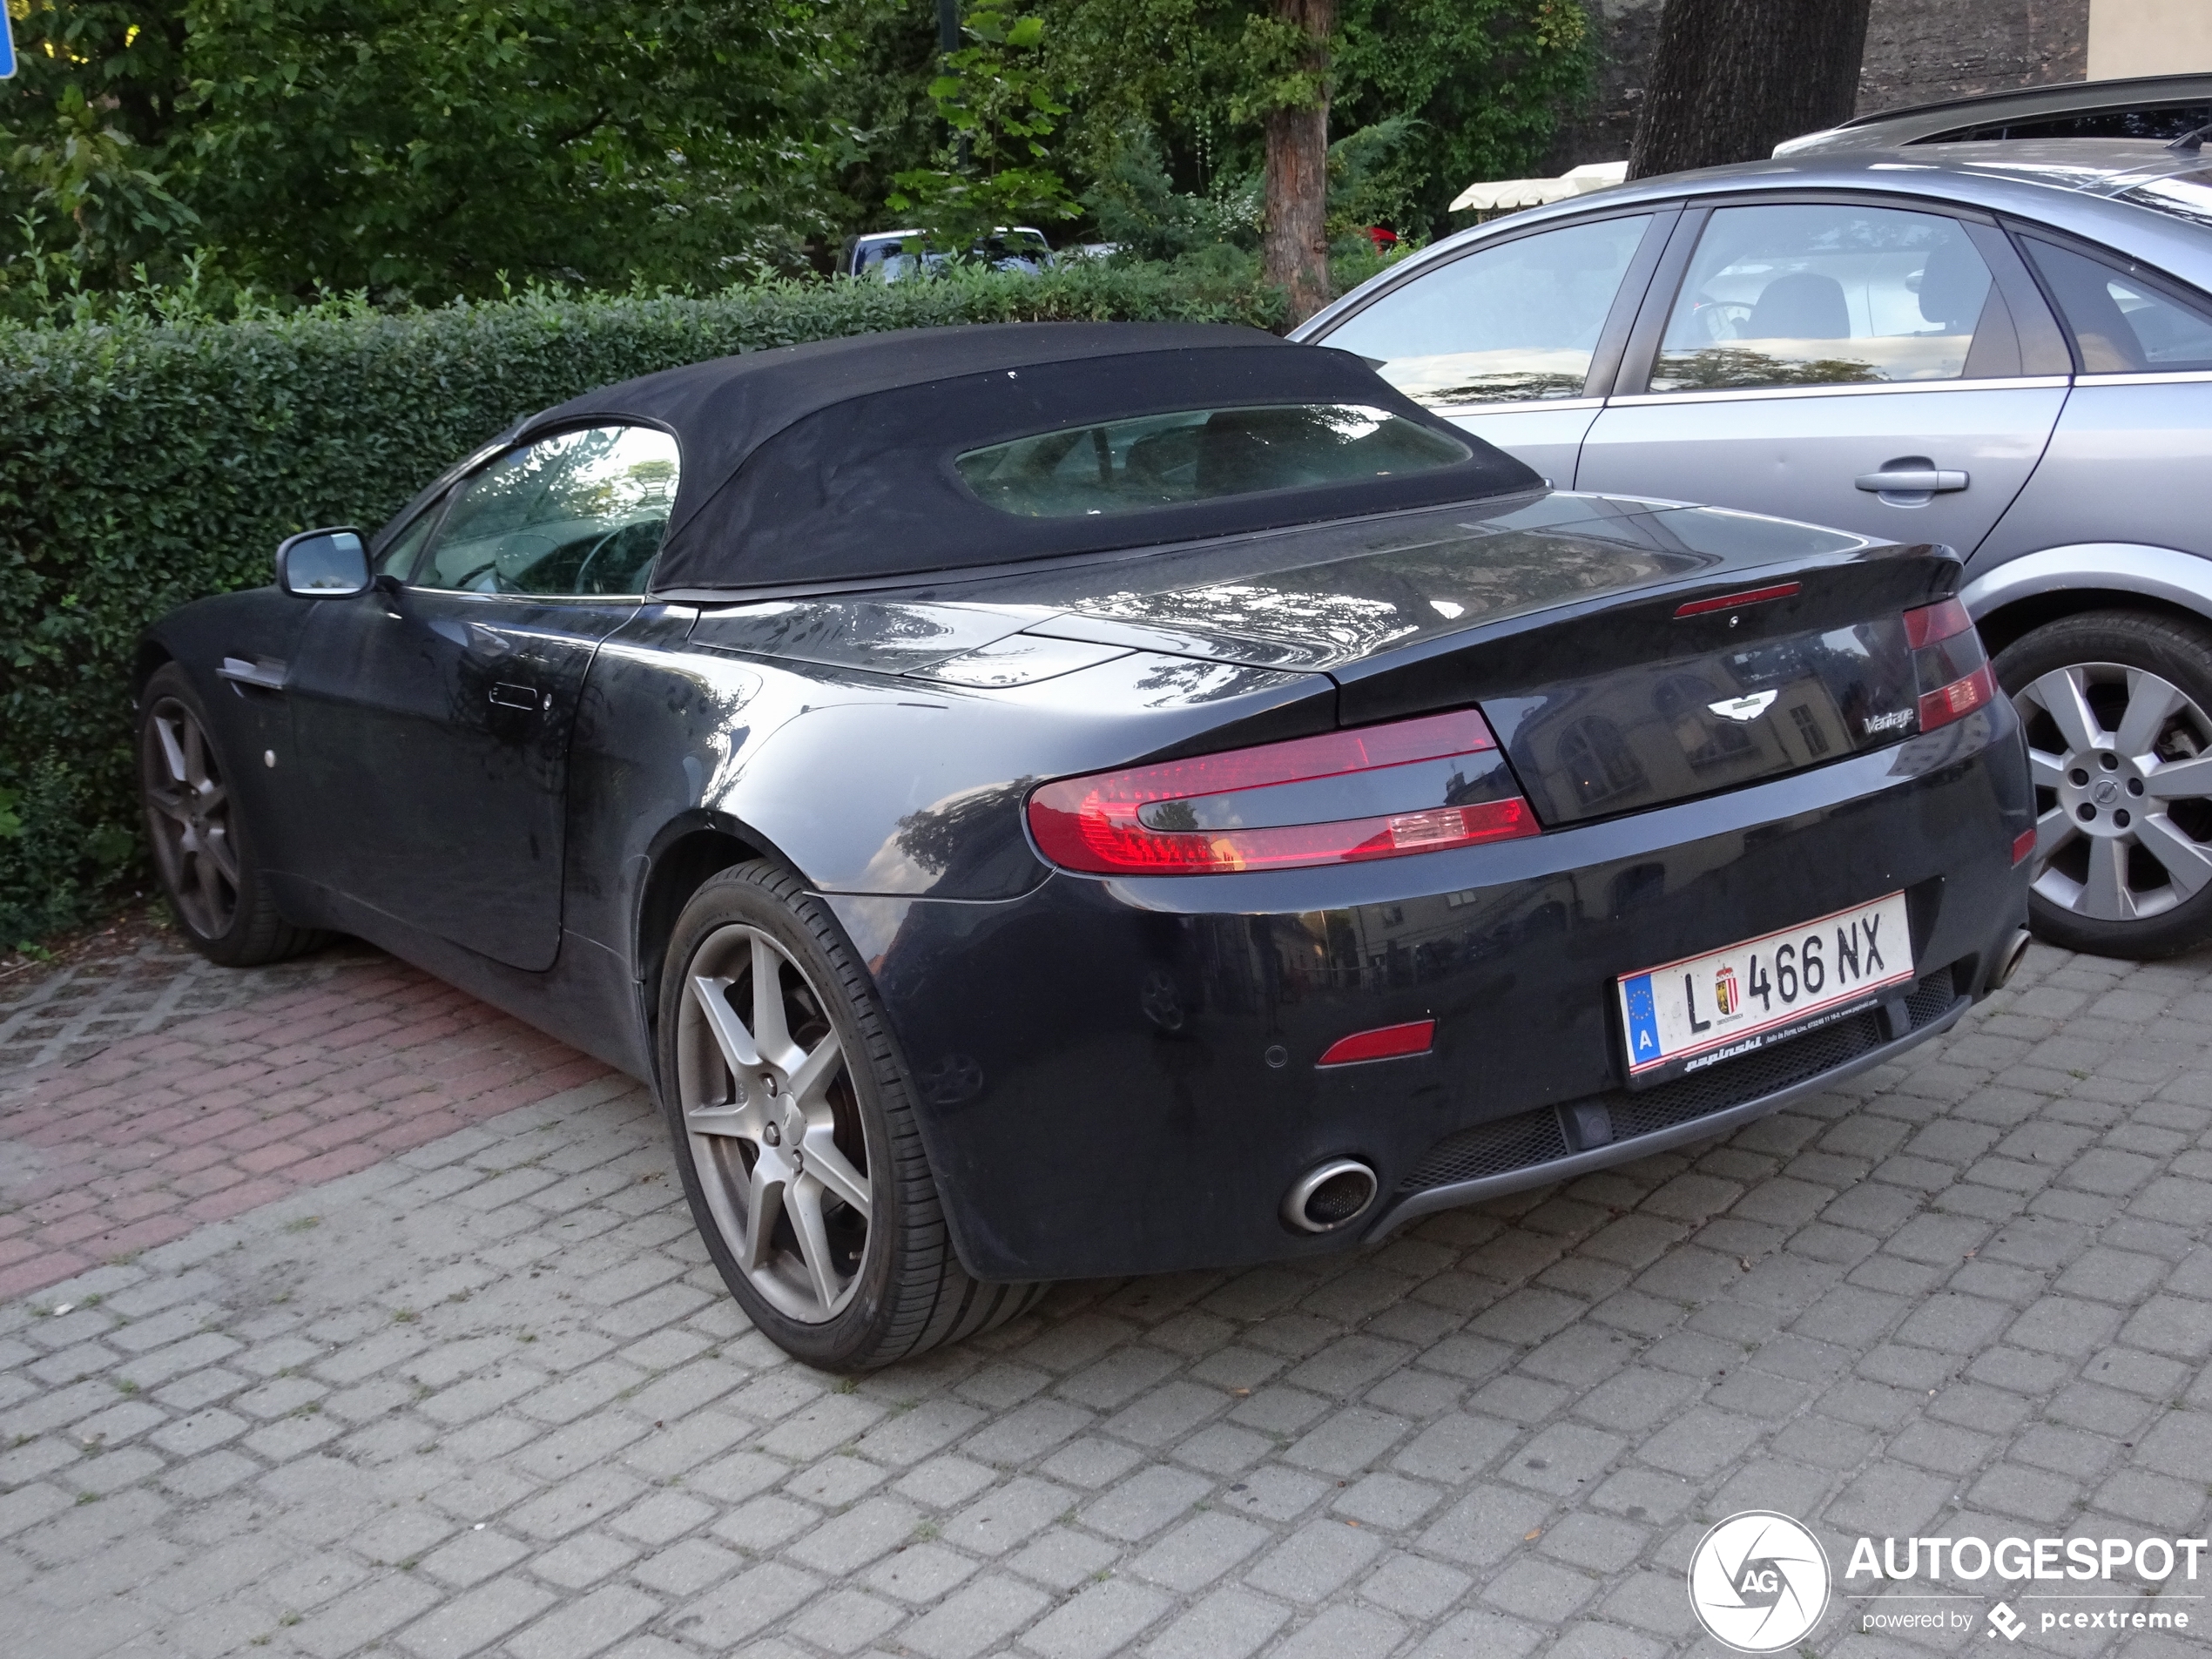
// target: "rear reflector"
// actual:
[[2023, 843], [1380, 792], [1386, 1042], [1733, 601]]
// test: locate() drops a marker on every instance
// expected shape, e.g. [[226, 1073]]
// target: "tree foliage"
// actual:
[[999, 105], [1161, 140], [413, 148]]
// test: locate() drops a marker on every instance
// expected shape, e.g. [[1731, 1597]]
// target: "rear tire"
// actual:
[[2118, 709], [795, 1133], [203, 848]]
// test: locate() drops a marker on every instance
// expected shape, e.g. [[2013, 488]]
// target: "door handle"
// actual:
[[513, 696], [1911, 480]]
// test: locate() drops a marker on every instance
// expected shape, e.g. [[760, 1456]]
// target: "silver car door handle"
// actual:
[[269, 674], [1905, 481], [513, 696]]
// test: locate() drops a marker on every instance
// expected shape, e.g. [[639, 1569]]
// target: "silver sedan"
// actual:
[[2003, 346]]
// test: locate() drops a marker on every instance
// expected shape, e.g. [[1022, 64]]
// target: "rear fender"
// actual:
[[2040, 587], [914, 788]]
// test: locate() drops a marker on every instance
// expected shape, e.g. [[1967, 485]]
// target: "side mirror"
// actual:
[[323, 564]]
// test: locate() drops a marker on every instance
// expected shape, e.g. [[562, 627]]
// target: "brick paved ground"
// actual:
[[152, 1135], [486, 1396], [70, 1013]]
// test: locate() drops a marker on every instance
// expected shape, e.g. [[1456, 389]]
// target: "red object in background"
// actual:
[[1382, 237]]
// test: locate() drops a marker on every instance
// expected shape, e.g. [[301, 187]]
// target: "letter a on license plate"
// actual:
[[1704, 1009]]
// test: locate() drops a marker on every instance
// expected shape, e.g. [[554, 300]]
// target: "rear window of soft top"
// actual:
[[1198, 454]]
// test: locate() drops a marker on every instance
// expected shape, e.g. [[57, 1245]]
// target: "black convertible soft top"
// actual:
[[833, 461]]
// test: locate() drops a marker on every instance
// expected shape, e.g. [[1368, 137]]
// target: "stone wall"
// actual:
[[1921, 51]]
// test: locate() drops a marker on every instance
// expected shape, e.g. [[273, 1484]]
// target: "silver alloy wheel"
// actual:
[[2121, 761], [771, 1123], [189, 819]]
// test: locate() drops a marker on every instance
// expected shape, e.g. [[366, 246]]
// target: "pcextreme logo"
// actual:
[[1758, 1582]]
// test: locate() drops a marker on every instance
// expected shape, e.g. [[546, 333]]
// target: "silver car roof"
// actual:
[[1884, 129], [2098, 189]]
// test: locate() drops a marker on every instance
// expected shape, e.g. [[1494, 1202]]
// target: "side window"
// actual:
[[2121, 324], [1515, 321], [577, 513], [1810, 294]]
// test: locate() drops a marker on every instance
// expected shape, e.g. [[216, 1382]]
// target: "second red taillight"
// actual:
[[1380, 792], [1948, 661]]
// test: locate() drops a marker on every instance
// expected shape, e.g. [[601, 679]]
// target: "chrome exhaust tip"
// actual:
[[1329, 1196], [2008, 961]]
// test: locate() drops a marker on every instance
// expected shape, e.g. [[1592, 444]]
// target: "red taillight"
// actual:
[[1962, 697], [1381, 791], [1932, 622], [1948, 663], [1387, 1043]]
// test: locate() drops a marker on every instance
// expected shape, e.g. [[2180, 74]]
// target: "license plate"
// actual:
[[1704, 1009]]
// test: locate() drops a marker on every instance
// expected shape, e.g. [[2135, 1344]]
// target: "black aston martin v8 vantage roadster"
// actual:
[[1061, 800]]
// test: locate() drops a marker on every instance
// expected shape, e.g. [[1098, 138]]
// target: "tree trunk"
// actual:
[[1732, 78], [1295, 254]]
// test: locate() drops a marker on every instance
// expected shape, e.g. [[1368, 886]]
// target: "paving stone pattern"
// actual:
[[487, 1397], [59, 1015], [327, 1072]]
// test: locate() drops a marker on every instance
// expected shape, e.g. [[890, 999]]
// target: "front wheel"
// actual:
[[202, 850], [795, 1135], [2118, 711]]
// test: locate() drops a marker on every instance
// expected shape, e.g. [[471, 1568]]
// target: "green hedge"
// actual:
[[144, 463]]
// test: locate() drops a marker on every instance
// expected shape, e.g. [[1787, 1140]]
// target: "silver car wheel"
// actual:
[[771, 1123], [2115, 751], [188, 819]]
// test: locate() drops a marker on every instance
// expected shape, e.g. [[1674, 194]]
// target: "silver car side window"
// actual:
[[580, 512], [1506, 323], [2121, 324], [1823, 293]]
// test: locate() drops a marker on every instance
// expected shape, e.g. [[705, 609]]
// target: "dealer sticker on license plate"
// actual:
[[1698, 1012]]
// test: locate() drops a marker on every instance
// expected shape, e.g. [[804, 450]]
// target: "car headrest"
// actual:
[[1954, 284], [1802, 306]]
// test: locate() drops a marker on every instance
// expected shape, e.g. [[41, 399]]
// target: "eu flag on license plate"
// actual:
[[7, 44], [1643, 1022]]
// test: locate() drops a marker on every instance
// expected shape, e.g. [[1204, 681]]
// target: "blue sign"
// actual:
[[6, 45], [1643, 1022]]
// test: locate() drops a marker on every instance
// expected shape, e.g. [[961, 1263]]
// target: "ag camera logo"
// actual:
[[1758, 1582]]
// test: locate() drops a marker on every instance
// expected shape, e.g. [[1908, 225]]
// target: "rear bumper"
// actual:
[[1118, 1077], [1533, 1149]]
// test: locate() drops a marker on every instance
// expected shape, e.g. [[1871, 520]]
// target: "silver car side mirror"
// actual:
[[323, 564]]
